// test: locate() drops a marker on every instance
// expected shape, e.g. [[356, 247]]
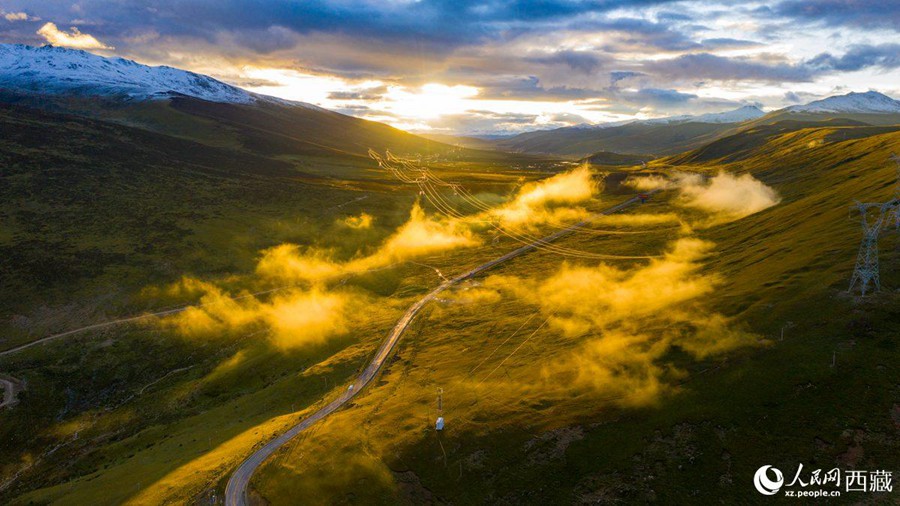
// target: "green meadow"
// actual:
[[676, 386]]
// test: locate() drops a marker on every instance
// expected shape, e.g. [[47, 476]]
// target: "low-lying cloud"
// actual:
[[313, 313], [731, 196], [725, 197], [627, 321], [295, 317], [420, 235], [552, 200]]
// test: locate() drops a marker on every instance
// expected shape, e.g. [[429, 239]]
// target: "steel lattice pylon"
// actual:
[[866, 272]]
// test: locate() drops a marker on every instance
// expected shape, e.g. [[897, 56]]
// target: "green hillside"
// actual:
[[633, 139], [106, 215], [615, 159], [103, 221], [268, 129], [825, 395]]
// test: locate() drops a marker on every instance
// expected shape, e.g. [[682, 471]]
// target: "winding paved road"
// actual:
[[236, 490], [45, 340]]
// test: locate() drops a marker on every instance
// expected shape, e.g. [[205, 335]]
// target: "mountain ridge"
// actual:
[[60, 71], [871, 102]]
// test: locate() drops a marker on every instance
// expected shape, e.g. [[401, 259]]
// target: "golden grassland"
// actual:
[[565, 379], [161, 410], [590, 408]]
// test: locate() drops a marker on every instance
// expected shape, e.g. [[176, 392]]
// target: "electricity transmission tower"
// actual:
[[866, 272]]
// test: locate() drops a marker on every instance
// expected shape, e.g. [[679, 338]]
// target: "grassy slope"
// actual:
[[185, 435], [779, 404], [643, 139], [266, 129], [97, 213], [637, 139], [94, 209], [615, 159]]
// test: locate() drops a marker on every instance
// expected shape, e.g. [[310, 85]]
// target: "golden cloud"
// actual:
[[611, 309], [295, 318], [363, 221], [286, 262], [422, 235], [52, 34], [549, 200], [301, 316], [724, 196]]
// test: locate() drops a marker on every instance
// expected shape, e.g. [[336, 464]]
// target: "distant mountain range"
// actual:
[[676, 134], [48, 71], [738, 115], [188, 105]]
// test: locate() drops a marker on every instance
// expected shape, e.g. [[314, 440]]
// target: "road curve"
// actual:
[[95, 326], [11, 388], [167, 312], [236, 489]]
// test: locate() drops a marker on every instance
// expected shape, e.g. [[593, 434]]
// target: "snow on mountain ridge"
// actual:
[[57, 70], [745, 113], [868, 102], [739, 115]]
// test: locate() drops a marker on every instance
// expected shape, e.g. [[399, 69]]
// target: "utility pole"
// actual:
[[439, 424]]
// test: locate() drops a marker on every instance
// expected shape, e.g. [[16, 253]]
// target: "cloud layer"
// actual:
[[725, 197], [312, 313], [625, 321], [532, 64]]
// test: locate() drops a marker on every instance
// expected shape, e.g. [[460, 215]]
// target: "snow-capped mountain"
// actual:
[[57, 70], [870, 102], [745, 113]]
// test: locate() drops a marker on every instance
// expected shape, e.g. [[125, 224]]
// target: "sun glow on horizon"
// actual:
[[415, 108]]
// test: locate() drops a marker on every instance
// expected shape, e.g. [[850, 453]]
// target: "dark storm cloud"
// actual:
[[633, 32], [434, 24], [655, 96], [579, 61], [367, 95], [872, 14], [710, 66], [859, 57], [273, 38], [620, 75], [529, 88], [477, 122], [726, 43]]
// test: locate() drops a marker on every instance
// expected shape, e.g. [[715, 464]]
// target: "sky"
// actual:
[[500, 66]]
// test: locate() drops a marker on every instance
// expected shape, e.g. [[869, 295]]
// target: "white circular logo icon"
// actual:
[[762, 482]]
